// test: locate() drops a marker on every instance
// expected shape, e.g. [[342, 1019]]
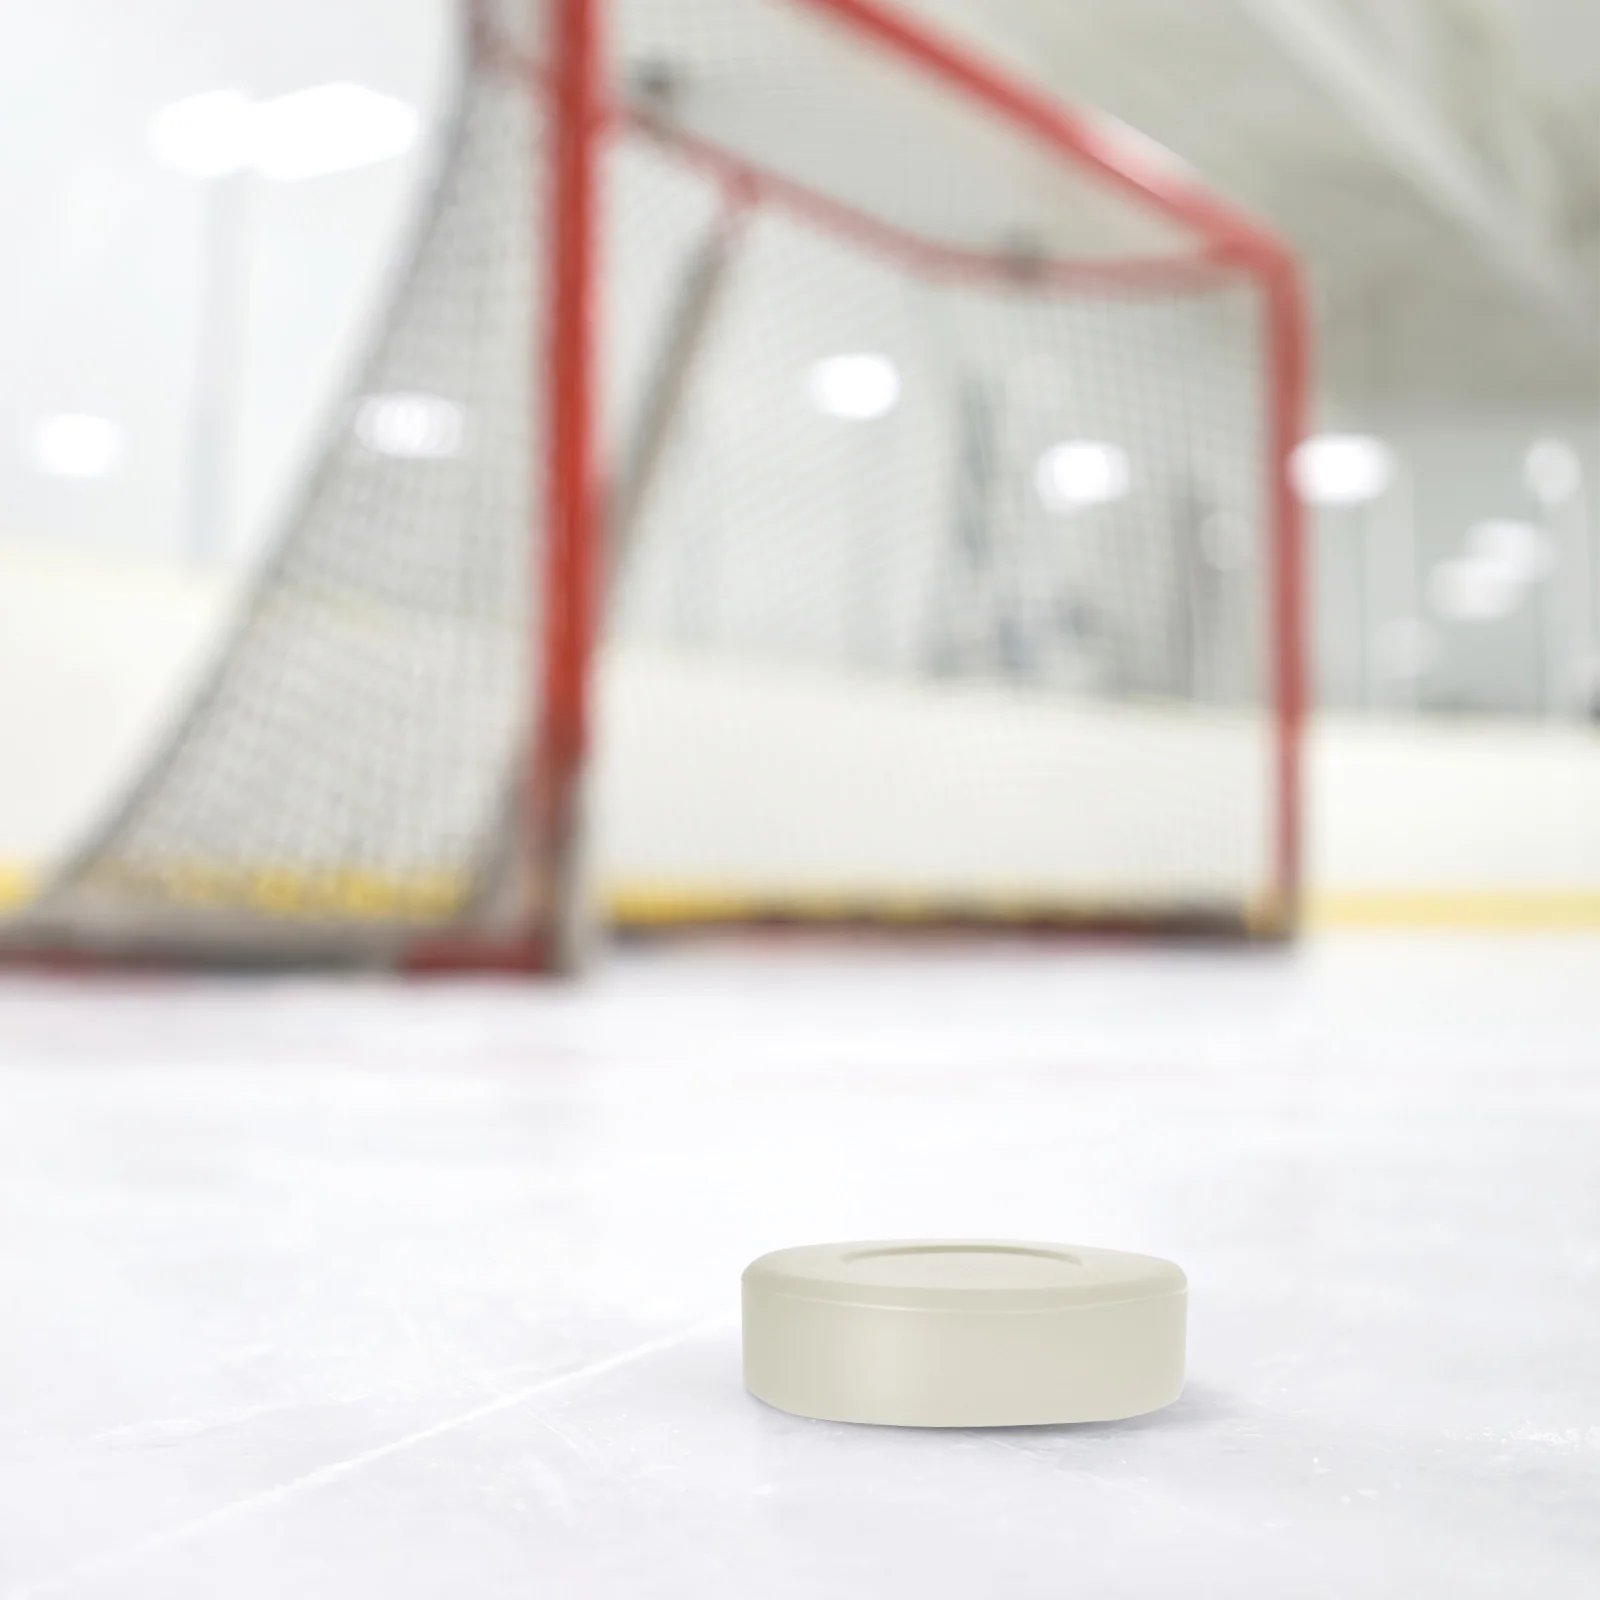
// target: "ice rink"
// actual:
[[325, 1289]]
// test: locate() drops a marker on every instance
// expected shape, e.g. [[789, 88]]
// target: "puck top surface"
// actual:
[[963, 1274]]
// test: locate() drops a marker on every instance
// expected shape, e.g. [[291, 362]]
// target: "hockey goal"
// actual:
[[799, 472]]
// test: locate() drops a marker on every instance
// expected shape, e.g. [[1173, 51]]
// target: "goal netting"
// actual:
[[796, 473]]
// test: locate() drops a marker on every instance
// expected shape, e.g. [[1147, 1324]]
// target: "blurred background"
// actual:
[[335, 1286], [177, 328]]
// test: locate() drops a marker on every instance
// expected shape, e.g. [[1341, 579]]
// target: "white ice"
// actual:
[[314, 1289]]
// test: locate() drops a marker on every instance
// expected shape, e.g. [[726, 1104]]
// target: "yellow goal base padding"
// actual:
[[664, 906]]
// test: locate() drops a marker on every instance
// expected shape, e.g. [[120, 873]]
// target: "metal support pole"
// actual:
[[210, 489]]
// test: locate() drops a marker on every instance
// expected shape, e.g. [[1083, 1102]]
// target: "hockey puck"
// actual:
[[963, 1333]]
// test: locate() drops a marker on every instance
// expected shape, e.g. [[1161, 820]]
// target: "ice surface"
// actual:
[[325, 1289]]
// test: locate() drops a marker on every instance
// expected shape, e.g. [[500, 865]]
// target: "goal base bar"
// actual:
[[663, 909], [297, 950]]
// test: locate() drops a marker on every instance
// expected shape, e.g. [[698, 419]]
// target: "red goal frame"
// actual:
[[569, 509], [573, 508]]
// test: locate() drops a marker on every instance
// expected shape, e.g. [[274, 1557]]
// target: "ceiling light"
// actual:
[[1342, 469], [75, 445], [206, 135], [1081, 472], [331, 128], [857, 386], [416, 426], [1552, 472]]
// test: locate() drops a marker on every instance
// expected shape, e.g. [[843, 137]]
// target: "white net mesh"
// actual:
[[350, 768], [938, 563], [949, 593]]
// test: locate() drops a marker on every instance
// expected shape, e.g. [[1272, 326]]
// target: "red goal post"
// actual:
[[1225, 241], [390, 760]]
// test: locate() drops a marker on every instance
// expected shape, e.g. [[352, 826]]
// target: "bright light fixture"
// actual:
[[332, 127], [1552, 472], [417, 426], [1342, 469], [75, 445], [856, 386], [1468, 589], [206, 135], [1518, 549], [1081, 472]]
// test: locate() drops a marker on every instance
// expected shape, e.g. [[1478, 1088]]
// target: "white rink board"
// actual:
[[94, 657], [371, 1292], [740, 776]]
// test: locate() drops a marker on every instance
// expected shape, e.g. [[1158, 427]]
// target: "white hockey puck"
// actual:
[[963, 1333]]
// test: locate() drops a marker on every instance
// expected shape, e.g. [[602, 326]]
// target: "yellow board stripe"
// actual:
[[666, 905], [17, 886]]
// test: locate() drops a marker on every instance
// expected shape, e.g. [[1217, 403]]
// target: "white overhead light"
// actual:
[[1518, 549], [332, 127], [1081, 472], [1467, 589], [857, 386], [1552, 472], [206, 135], [416, 426], [1342, 469], [76, 445]]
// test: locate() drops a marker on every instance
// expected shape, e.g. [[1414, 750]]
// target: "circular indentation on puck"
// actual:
[[967, 1266]]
